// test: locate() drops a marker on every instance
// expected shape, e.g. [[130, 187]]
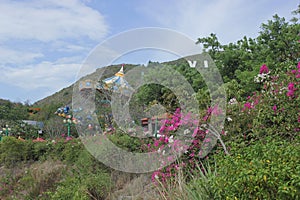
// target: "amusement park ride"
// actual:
[[119, 85], [114, 83], [68, 120]]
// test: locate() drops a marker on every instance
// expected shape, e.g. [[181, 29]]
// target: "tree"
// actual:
[[277, 46]]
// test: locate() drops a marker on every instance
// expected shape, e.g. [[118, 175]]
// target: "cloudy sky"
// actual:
[[44, 42]]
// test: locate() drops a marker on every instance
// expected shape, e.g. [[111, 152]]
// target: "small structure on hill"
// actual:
[[33, 111], [37, 124]]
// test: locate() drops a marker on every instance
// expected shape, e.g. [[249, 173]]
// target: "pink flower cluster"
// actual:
[[296, 72], [251, 105], [248, 105], [171, 124], [215, 110], [170, 171], [291, 90], [264, 69], [274, 108], [190, 147], [292, 85]]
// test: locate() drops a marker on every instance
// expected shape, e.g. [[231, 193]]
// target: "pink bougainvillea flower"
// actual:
[[290, 93], [291, 90], [274, 108], [256, 101], [248, 105], [298, 66], [291, 86], [213, 111], [68, 138], [264, 69], [171, 128], [156, 143], [205, 118], [209, 110], [200, 153], [195, 132], [155, 176], [207, 140], [162, 129], [216, 111]]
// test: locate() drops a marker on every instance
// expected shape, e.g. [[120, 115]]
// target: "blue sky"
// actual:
[[43, 43]]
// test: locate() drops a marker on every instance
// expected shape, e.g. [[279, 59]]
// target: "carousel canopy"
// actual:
[[117, 82]]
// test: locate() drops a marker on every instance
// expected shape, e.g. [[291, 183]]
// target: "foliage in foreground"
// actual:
[[268, 169], [50, 170]]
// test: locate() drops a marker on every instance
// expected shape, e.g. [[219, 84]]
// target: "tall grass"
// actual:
[[194, 185]]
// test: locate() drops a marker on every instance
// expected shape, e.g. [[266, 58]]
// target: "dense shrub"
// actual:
[[124, 141], [12, 151], [268, 169], [274, 110], [87, 179]]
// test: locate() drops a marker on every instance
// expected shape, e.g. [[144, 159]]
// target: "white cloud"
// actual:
[[45, 74], [10, 56], [195, 18], [229, 19], [59, 32], [50, 20]]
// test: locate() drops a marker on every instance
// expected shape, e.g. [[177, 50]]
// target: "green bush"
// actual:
[[40, 150], [124, 141], [12, 151], [268, 169], [87, 179], [71, 150]]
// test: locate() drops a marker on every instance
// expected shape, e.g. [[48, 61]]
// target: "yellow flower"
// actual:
[[265, 178]]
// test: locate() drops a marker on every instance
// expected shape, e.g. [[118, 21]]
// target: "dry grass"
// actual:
[[133, 187], [46, 174]]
